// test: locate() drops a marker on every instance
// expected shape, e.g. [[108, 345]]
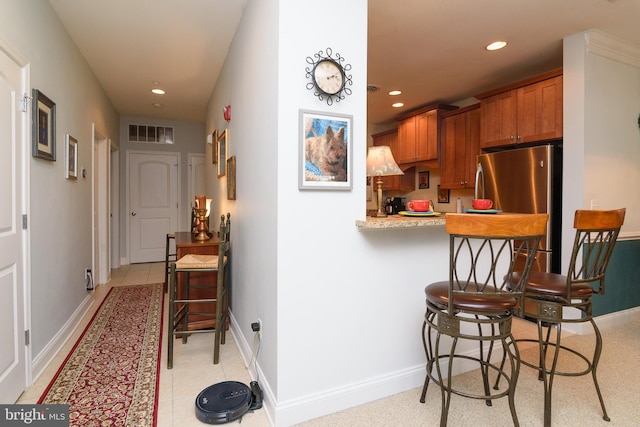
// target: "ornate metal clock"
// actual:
[[329, 78]]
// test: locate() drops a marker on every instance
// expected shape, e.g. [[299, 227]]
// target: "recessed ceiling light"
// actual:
[[158, 91], [395, 92], [496, 45], [398, 105], [157, 105]]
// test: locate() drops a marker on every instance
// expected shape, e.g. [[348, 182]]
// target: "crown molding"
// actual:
[[608, 46]]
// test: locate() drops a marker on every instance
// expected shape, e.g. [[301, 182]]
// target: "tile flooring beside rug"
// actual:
[[193, 368]]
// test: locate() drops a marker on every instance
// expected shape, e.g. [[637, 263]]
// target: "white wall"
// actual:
[[341, 309], [60, 209], [601, 135]]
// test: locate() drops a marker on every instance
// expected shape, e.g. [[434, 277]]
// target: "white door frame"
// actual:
[[101, 264], [114, 211]]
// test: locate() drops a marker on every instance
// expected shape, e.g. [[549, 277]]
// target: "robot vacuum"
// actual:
[[227, 401]]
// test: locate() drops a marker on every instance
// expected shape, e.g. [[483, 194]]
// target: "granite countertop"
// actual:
[[399, 221]]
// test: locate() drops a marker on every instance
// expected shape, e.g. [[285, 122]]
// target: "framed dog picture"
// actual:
[[326, 146]]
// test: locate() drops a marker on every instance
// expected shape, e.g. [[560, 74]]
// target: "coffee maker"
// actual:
[[394, 205]]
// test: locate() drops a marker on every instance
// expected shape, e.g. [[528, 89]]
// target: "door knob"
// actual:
[[133, 214]]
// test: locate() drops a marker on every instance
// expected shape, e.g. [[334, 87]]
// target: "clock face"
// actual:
[[328, 77]]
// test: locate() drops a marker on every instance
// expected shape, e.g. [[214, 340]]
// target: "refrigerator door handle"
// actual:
[[479, 174]]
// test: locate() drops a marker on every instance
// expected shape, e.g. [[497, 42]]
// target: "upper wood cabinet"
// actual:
[[404, 182], [418, 135], [460, 144], [527, 111]]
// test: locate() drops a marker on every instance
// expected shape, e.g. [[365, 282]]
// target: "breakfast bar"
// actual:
[[392, 222]]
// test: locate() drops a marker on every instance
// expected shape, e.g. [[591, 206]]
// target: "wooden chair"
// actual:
[[477, 302], [547, 295], [179, 306], [169, 256]]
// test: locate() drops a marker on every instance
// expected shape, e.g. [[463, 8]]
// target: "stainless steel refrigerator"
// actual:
[[528, 180]]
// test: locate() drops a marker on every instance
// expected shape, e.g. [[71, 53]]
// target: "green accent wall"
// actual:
[[622, 282]]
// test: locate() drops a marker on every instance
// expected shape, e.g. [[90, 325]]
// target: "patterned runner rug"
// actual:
[[111, 375]]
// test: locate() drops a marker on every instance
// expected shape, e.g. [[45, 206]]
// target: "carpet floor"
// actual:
[[111, 375]]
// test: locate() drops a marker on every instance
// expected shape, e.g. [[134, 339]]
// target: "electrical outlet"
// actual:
[[257, 327], [595, 204]]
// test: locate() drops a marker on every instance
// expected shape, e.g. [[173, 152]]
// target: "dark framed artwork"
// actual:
[[43, 131], [71, 170], [231, 178], [443, 195], [423, 180], [325, 151], [222, 150]]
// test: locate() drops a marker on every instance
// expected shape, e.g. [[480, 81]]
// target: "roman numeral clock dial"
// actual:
[[329, 78]]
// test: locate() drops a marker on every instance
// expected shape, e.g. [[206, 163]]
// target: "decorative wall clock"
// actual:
[[329, 76]]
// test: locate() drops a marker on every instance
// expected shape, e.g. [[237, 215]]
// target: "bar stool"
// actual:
[[179, 306], [476, 303], [547, 295], [169, 256]]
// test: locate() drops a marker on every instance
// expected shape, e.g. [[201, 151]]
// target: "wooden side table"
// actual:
[[185, 244]]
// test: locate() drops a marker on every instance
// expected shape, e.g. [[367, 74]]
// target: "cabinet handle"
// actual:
[[512, 138], [518, 137]]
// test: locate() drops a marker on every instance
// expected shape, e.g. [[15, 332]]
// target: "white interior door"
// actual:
[[153, 203], [13, 372]]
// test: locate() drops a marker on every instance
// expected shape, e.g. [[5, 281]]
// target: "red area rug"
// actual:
[[110, 377]]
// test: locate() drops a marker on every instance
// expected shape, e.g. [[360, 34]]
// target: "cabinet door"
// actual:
[[540, 111], [406, 152], [498, 119], [472, 146], [427, 136], [453, 154]]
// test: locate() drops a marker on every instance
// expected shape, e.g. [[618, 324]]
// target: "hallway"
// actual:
[[180, 385]]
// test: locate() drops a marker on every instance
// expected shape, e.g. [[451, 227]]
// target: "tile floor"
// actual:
[[193, 368]]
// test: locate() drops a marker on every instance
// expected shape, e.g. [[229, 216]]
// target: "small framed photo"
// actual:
[[71, 170], [43, 127], [222, 149], [443, 195], [326, 142], [214, 146], [231, 178], [423, 180]]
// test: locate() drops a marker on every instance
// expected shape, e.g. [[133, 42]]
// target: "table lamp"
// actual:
[[380, 163]]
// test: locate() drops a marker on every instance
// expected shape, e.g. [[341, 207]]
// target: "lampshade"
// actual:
[[380, 162]]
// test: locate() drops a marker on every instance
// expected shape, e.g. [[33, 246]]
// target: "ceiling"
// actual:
[[432, 50]]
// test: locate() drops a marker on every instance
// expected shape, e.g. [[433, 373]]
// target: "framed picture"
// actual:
[[214, 147], [222, 149], [43, 127], [423, 180], [231, 178], [326, 142], [443, 195], [71, 170]]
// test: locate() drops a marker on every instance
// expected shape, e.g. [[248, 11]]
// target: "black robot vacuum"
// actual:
[[227, 401]]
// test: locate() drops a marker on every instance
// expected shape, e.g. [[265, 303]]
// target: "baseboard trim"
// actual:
[[53, 347]]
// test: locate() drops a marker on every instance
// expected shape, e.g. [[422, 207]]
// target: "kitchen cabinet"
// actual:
[[404, 183], [527, 111], [418, 135], [460, 144]]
